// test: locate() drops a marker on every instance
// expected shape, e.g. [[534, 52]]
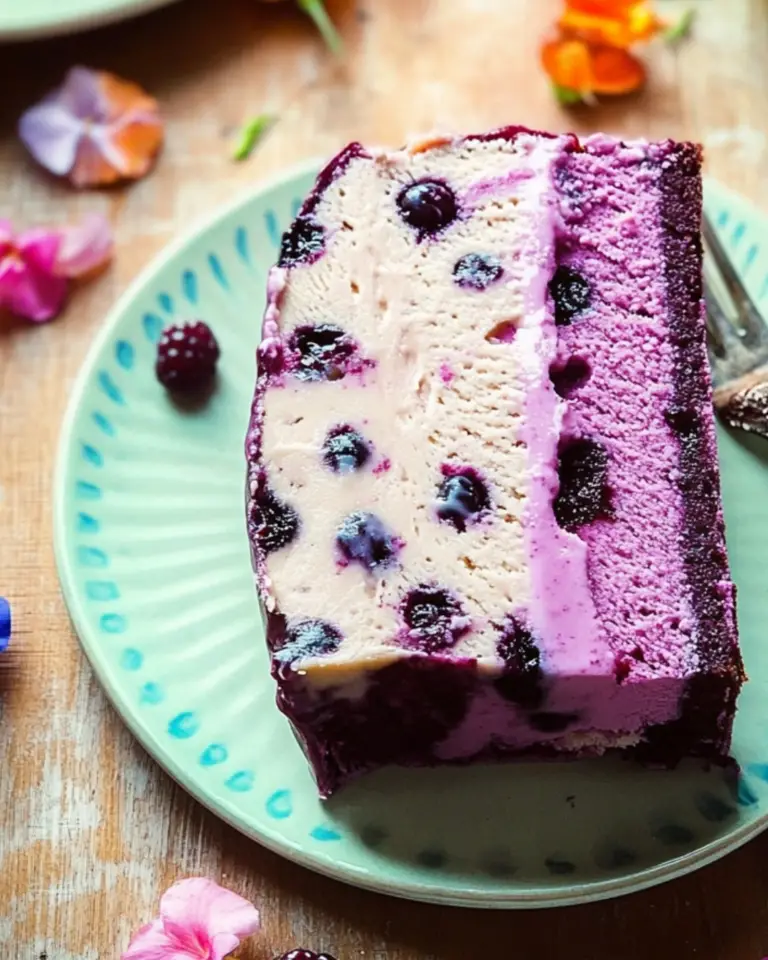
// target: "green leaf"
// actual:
[[316, 10], [681, 29], [250, 134], [566, 96]]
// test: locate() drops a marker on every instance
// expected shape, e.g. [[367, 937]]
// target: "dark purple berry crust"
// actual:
[[187, 354], [703, 539]]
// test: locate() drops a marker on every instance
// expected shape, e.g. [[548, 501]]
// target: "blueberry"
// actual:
[[571, 294], [364, 539], [273, 522], [321, 352], [302, 954], [462, 496], [434, 617], [303, 243], [522, 680], [309, 638], [477, 271], [569, 377], [427, 205], [549, 721], [584, 494], [345, 450]]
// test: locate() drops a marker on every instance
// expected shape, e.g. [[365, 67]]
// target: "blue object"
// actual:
[[5, 623]]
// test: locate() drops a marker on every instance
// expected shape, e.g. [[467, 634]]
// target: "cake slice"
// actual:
[[483, 488]]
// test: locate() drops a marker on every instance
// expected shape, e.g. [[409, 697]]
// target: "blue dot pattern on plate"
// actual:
[[189, 286], [131, 659], [87, 524], [92, 456], [152, 694], [113, 623], [153, 327], [125, 354], [280, 805], [324, 834], [240, 782], [242, 246], [87, 491], [214, 754], [103, 423], [101, 590], [91, 556], [110, 388], [273, 228], [218, 271], [184, 725], [165, 301]]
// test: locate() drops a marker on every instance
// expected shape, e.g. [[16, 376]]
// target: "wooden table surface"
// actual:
[[91, 830]]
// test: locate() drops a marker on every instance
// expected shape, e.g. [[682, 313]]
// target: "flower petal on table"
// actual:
[[641, 24], [85, 247], [30, 293], [615, 71], [95, 129], [578, 66], [51, 135], [201, 902]]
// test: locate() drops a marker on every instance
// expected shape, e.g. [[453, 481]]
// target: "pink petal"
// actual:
[[223, 944], [153, 943], [30, 293], [51, 134], [39, 248], [201, 903], [6, 235], [85, 247]]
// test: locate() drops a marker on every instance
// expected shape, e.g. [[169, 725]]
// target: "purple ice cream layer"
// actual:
[[613, 239]]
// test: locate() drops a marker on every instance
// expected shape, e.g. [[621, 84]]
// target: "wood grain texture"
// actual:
[[91, 830]]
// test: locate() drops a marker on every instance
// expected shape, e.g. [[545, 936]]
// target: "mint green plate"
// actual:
[[27, 19], [152, 553]]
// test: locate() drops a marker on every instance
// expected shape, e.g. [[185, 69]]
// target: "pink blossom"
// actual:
[[95, 129], [199, 920], [37, 264]]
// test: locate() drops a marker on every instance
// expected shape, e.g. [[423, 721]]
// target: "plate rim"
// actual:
[[77, 22], [568, 895]]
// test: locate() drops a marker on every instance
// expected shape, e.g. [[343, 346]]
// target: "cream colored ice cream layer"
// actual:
[[441, 390]]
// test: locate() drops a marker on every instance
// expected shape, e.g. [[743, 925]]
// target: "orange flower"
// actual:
[[590, 54], [584, 70], [617, 23]]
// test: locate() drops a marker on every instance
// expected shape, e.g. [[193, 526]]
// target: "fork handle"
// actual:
[[743, 403]]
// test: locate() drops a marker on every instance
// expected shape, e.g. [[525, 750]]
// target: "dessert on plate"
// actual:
[[483, 492]]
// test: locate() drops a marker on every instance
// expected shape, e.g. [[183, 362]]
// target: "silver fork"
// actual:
[[737, 337]]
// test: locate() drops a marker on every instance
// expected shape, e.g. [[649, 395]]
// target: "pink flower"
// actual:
[[36, 265], [199, 920], [95, 129]]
